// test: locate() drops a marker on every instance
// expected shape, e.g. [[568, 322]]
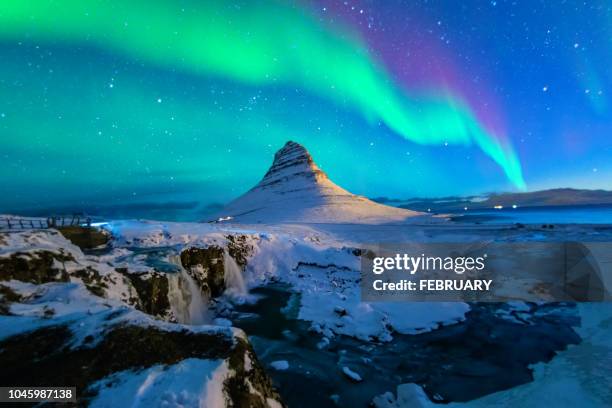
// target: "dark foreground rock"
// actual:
[[206, 265], [44, 357], [85, 237], [71, 320], [152, 291], [35, 267]]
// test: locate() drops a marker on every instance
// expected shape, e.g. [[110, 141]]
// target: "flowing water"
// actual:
[[234, 280], [188, 303], [484, 354], [479, 356]]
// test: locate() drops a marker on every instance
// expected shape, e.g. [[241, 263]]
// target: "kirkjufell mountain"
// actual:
[[295, 189]]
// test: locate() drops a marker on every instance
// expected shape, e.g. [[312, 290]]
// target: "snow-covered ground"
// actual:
[[320, 263], [577, 377]]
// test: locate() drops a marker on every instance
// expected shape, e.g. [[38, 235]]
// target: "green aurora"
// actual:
[[259, 44]]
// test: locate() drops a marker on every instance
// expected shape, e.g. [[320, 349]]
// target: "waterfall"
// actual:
[[186, 300], [234, 281]]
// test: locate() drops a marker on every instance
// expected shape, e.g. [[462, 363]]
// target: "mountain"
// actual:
[[557, 196], [542, 198], [295, 189]]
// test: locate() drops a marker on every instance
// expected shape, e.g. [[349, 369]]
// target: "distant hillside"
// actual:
[[552, 197]]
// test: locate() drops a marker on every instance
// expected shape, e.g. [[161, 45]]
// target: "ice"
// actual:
[[280, 365], [351, 374]]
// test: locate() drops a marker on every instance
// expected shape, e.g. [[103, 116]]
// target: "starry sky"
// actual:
[[180, 105]]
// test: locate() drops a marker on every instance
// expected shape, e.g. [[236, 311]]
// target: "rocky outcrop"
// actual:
[[292, 161], [85, 237], [104, 335], [34, 358], [249, 376], [58, 266], [35, 267], [240, 248], [205, 265], [7, 296], [152, 292]]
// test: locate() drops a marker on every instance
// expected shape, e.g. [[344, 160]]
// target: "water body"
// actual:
[[490, 351], [591, 214], [485, 354]]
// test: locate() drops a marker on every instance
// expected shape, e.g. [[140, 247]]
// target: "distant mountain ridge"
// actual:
[[295, 189], [542, 198]]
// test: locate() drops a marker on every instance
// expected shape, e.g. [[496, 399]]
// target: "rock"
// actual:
[[340, 311], [239, 248], [35, 267], [58, 266], [8, 296], [103, 337], [250, 386], [35, 356], [85, 237], [152, 291], [205, 265]]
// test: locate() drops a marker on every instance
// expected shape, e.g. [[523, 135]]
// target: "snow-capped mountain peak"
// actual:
[[295, 189]]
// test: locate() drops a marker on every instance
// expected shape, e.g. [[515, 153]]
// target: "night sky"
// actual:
[[170, 103]]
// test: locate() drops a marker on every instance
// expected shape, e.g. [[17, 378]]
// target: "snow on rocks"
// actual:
[[79, 306], [408, 396], [280, 365], [352, 375]]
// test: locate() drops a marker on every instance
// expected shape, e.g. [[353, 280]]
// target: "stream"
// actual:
[[488, 352]]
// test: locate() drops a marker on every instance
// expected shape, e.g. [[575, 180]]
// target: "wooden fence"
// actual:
[[22, 223]]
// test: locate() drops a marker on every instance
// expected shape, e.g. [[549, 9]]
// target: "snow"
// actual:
[[189, 383], [34, 240], [280, 365], [85, 314], [576, 377], [296, 190], [303, 229], [351, 374], [315, 259]]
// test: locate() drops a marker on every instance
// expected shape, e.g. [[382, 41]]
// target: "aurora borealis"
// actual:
[[181, 101]]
